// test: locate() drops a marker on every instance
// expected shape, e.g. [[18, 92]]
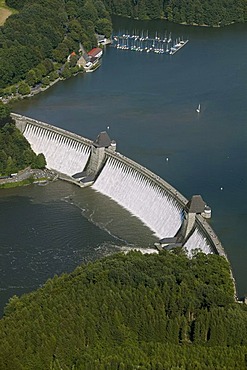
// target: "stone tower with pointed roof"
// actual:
[[195, 206], [98, 147], [96, 159]]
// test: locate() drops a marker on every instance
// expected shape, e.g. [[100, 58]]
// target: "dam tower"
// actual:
[[96, 159]]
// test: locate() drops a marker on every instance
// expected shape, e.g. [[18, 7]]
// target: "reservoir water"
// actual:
[[149, 102]]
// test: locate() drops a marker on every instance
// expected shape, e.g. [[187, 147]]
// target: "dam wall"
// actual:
[[144, 194], [65, 152]]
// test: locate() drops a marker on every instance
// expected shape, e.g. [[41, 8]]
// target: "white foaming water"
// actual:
[[62, 154], [197, 241], [142, 250], [140, 196]]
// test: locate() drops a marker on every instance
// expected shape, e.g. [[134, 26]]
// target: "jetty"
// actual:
[[178, 46]]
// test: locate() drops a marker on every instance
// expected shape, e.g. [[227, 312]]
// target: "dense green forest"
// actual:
[[129, 311], [15, 151], [200, 12], [35, 43]]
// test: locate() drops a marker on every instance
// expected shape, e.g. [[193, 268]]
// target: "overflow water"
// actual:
[[149, 102], [149, 202], [62, 154]]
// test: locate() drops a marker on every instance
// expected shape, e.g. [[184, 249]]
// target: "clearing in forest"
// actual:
[[5, 12]]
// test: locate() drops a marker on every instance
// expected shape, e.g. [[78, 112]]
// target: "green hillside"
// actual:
[[15, 151], [129, 311], [36, 42], [200, 12]]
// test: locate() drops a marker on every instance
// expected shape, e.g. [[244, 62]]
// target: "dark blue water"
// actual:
[[149, 102], [48, 230]]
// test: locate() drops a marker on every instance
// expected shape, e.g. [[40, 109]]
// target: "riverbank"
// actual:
[[34, 91], [28, 176]]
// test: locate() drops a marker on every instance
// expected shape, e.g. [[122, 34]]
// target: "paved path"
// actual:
[[29, 172]]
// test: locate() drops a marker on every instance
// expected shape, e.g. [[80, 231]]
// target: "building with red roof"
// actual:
[[95, 53]]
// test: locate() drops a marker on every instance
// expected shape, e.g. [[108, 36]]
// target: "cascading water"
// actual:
[[197, 241], [153, 205], [62, 154], [148, 201]]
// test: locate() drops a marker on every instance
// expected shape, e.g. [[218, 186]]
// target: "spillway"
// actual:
[[152, 204], [197, 241], [63, 154]]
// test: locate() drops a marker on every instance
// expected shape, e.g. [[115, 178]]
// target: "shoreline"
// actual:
[[35, 91]]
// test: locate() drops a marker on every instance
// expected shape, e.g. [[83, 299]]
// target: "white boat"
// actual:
[[198, 109]]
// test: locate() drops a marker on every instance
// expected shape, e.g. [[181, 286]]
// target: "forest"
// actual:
[[36, 42], [193, 12], [15, 151], [129, 311]]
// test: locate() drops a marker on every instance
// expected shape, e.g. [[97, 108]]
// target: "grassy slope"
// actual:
[[5, 12]]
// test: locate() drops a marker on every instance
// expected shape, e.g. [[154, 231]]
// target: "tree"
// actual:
[[53, 75], [17, 4], [39, 162], [89, 11], [11, 166], [49, 66], [104, 27], [61, 53], [45, 81], [142, 11], [24, 89], [3, 162], [73, 60], [66, 73], [4, 114], [31, 77], [71, 9], [38, 74]]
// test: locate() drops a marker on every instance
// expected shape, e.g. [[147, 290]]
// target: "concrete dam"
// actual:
[[173, 219]]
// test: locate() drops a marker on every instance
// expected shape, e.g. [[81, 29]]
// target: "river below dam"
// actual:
[[149, 102]]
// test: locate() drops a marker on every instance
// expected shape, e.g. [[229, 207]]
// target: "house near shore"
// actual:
[[95, 53], [90, 60], [73, 54]]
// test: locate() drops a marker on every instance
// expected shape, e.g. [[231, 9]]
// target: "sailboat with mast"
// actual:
[[198, 109]]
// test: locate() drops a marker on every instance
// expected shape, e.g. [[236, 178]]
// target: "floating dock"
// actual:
[[177, 47]]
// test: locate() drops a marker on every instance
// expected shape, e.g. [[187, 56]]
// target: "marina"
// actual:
[[142, 42]]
